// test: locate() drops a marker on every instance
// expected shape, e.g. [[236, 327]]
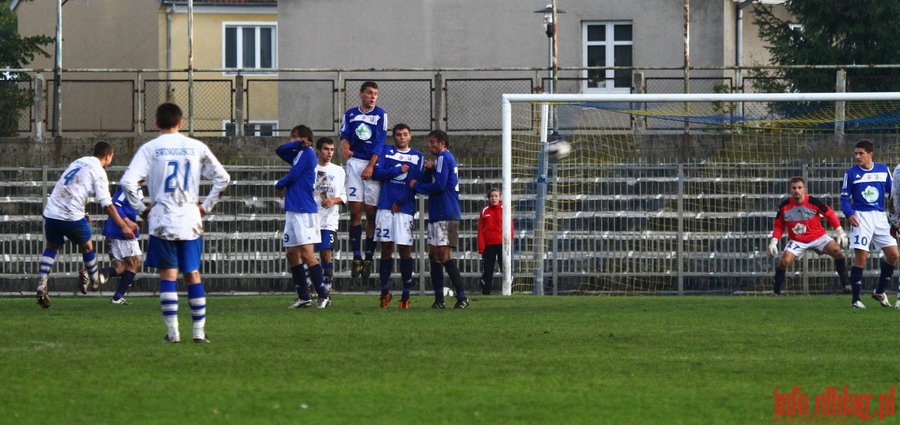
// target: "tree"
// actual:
[[833, 32], [15, 52]]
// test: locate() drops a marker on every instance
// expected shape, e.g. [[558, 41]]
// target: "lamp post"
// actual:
[[550, 13]]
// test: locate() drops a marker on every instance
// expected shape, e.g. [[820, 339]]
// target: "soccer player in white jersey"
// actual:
[[863, 193], [363, 134], [330, 194], [172, 165], [65, 216], [301, 217], [398, 165]]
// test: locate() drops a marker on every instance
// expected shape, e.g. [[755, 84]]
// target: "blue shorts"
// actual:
[[182, 255], [328, 237], [57, 231]]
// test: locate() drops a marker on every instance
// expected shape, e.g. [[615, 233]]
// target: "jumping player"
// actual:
[[363, 134], [863, 193], [800, 214], [394, 223]]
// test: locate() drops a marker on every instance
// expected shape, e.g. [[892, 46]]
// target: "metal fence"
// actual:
[[224, 103]]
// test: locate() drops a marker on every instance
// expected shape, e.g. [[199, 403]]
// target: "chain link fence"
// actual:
[[455, 100]]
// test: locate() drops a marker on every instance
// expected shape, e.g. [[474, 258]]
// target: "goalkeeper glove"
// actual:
[[773, 247], [841, 238]]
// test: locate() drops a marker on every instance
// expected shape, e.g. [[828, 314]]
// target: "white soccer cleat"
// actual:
[[120, 301], [897, 304], [882, 298], [858, 304], [301, 303], [323, 302]]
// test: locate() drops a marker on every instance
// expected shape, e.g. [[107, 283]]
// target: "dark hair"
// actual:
[[798, 179], [102, 149], [302, 131], [323, 141], [441, 136], [399, 127], [168, 115], [368, 84], [866, 145], [492, 190]]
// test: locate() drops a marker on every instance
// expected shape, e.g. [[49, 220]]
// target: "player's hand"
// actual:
[[395, 208], [841, 238], [88, 217], [429, 165], [145, 214], [280, 193], [404, 168], [367, 173], [127, 232], [412, 183], [202, 210], [773, 247], [346, 153]]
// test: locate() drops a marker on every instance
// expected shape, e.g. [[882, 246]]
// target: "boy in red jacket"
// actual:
[[490, 238]]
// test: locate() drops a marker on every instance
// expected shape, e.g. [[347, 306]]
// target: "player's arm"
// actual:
[[113, 214], [846, 202], [137, 171], [213, 170], [823, 209], [481, 232], [345, 149], [288, 151], [777, 230]]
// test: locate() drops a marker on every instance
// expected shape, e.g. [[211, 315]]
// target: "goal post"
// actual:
[[671, 193]]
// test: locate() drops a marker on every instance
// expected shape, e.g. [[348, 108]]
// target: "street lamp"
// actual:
[[550, 12]]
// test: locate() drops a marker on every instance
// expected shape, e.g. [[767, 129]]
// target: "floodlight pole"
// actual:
[[57, 68]]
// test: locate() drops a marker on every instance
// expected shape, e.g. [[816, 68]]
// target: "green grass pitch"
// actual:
[[506, 360]]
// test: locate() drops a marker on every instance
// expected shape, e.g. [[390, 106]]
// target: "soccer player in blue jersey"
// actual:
[[441, 183], [301, 227], [363, 134], [394, 225], [125, 253], [172, 165], [863, 193]]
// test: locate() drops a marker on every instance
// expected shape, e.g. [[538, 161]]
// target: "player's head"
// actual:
[[798, 188], [493, 196], [104, 152], [401, 136], [325, 149], [302, 132], [438, 141], [864, 151], [168, 116], [368, 94]]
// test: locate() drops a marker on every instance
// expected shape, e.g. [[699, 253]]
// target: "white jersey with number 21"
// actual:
[[171, 166]]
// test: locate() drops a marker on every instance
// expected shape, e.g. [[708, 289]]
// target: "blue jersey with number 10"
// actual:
[[865, 190]]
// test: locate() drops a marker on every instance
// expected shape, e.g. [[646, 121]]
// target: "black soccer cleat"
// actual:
[[462, 303]]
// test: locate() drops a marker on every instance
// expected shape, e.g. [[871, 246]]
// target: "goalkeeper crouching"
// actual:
[[800, 214]]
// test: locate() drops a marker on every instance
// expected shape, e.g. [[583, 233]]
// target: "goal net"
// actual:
[[675, 194]]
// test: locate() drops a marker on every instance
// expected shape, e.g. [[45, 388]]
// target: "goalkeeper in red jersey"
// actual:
[[800, 214]]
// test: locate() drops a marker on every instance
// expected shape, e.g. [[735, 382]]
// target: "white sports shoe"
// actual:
[[101, 279], [120, 301], [897, 304], [301, 303], [323, 302], [857, 304], [882, 298]]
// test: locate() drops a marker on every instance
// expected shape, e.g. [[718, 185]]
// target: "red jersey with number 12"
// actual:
[[802, 220]]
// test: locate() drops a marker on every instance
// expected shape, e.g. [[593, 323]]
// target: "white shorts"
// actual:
[[359, 190], [397, 228], [798, 248], [873, 229], [301, 229], [120, 249], [443, 233]]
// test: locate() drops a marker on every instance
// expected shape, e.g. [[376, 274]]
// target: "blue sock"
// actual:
[[124, 283], [168, 300], [856, 274], [47, 260], [111, 272], [298, 275], [779, 279], [355, 240], [90, 263], [197, 301], [887, 271], [384, 272], [327, 273], [406, 273], [315, 275], [437, 281], [370, 248], [455, 278]]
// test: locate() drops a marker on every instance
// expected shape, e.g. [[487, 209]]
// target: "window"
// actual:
[[607, 44], [250, 45], [253, 128]]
